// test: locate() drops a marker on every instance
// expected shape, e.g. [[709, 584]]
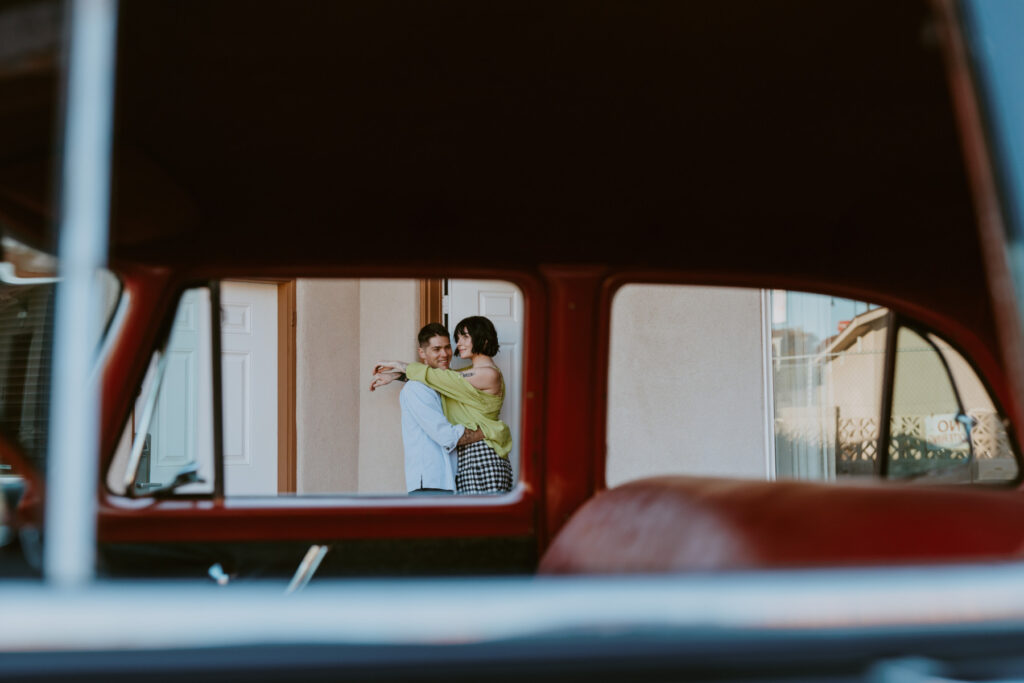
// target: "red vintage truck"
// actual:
[[642, 192], [753, 270]]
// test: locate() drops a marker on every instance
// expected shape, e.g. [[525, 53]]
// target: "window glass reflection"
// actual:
[[828, 358]]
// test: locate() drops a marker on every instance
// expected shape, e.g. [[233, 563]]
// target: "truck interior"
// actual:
[[574, 153], [755, 266]]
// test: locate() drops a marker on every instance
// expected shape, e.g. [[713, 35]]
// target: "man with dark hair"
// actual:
[[429, 440]]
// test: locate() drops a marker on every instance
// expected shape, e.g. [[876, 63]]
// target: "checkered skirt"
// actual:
[[481, 470]]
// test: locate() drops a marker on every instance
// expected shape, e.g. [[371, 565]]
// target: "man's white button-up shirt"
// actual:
[[429, 439]]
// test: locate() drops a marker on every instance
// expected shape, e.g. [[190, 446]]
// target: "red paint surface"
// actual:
[[667, 524]]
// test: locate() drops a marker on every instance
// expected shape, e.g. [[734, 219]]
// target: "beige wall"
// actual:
[[327, 385], [853, 379], [350, 440], [852, 382], [686, 383], [388, 323]]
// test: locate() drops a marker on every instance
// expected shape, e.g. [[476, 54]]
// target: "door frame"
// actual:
[[432, 301], [287, 460]]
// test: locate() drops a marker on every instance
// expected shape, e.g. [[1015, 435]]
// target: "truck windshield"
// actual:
[[28, 281]]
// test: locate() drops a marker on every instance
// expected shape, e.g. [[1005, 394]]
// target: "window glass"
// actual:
[[749, 383], [990, 442], [296, 366], [927, 435], [26, 335], [180, 433], [170, 431], [28, 286], [828, 358]]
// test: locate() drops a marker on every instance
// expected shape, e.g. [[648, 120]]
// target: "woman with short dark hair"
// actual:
[[471, 397]]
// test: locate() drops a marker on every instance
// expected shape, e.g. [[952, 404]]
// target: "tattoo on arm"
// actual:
[[467, 374]]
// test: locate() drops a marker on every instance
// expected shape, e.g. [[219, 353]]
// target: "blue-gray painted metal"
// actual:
[[70, 533], [405, 612], [993, 31]]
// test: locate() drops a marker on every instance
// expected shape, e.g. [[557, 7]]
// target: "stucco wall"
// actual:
[[686, 383], [327, 385], [388, 323], [852, 382], [350, 440]]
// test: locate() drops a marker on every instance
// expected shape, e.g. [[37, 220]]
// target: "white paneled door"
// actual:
[[502, 304], [249, 379], [182, 427]]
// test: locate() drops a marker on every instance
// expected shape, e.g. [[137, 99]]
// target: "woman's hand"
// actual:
[[386, 372], [389, 366], [383, 378]]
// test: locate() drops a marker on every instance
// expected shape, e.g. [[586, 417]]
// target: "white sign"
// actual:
[[945, 431]]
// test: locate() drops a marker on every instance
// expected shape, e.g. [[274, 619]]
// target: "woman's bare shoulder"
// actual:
[[483, 378]]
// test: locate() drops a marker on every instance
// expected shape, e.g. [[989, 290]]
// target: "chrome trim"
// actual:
[[139, 438], [768, 384]]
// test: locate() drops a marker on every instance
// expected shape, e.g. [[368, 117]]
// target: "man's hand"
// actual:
[[384, 378], [469, 436]]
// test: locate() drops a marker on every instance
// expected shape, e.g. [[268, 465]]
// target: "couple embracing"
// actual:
[[453, 439]]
